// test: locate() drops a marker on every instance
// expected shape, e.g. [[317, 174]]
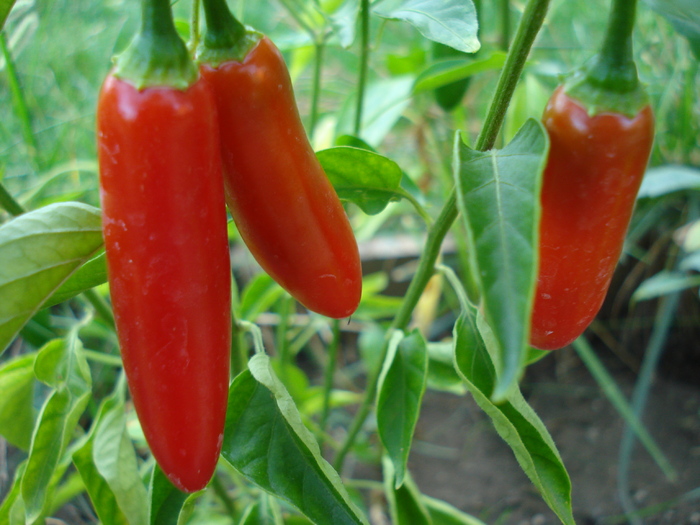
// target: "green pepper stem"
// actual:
[[226, 39], [527, 30], [614, 68], [157, 56]]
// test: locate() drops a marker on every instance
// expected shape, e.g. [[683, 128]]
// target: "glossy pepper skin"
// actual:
[[284, 206], [594, 170], [164, 222]]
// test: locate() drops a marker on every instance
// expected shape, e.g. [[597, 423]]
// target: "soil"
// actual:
[[459, 457]]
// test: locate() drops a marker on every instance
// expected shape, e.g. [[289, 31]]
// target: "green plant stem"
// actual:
[[286, 310], [194, 25], [529, 26], [222, 494], [102, 308], [20, 105], [9, 203], [105, 359], [330, 372], [364, 62], [662, 324], [319, 48], [505, 24]]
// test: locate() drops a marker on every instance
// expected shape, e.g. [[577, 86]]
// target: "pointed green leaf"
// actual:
[[38, 252], [363, 177], [5, 8], [443, 513], [266, 442], [61, 365], [445, 72], [92, 273], [498, 195], [405, 502], [167, 504], [12, 508], [450, 22], [16, 401], [401, 387], [515, 421]]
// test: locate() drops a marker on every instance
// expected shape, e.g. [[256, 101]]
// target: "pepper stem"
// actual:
[[226, 39], [610, 82], [157, 56]]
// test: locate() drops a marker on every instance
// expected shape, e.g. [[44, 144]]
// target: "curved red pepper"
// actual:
[[164, 222], [283, 204], [594, 170]]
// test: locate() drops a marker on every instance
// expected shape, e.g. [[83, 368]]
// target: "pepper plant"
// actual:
[[135, 371]]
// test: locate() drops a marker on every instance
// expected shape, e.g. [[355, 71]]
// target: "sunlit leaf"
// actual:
[[38, 252], [445, 72]]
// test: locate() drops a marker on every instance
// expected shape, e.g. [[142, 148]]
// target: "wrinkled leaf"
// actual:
[[365, 178], [513, 419], [450, 22], [16, 400], [445, 72], [498, 195], [344, 22], [265, 440], [38, 252], [401, 387], [61, 365]]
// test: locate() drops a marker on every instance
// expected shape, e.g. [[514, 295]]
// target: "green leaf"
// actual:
[[265, 511], [61, 365], [265, 440], [38, 252], [5, 8], [365, 178], [16, 401], [445, 72], [450, 22], [514, 419], [684, 16], [498, 197], [443, 513], [405, 502], [168, 505], [260, 294], [401, 387], [668, 179], [664, 283], [12, 508], [344, 22], [92, 273], [442, 375]]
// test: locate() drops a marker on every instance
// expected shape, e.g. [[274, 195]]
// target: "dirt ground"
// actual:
[[459, 457]]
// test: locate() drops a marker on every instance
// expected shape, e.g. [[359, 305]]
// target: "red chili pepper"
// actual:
[[283, 204], [593, 173], [601, 130], [164, 222]]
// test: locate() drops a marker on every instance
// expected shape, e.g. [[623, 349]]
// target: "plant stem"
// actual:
[[529, 26], [222, 494], [319, 48], [20, 105], [102, 308], [105, 359], [364, 61], [329, 372]]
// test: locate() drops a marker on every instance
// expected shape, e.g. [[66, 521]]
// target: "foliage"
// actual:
[[394, 158]]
